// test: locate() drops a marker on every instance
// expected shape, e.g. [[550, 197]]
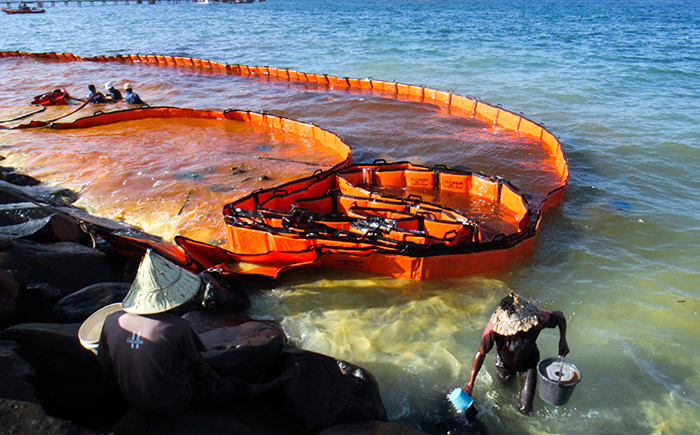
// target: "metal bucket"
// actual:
[[558, 379]]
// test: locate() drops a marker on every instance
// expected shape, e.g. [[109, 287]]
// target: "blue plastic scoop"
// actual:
[[460, 400]]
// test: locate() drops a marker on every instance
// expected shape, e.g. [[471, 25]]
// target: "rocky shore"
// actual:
[[56, 270]]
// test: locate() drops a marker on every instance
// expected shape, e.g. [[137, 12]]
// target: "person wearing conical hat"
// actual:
[[514, 328], [155, 355]]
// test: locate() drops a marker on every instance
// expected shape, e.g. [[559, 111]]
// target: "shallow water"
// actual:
[[617, 82]]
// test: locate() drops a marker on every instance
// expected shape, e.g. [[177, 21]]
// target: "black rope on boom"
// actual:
[[17, 118], [69, 114]]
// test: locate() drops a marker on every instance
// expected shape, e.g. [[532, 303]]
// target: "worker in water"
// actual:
[[130, 96], [114, 94], [514, 328], [95, 97], [155, 355]]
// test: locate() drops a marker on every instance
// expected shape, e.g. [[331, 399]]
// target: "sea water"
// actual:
[[618, 82]]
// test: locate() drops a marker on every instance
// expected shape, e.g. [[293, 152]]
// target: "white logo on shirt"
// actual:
[[135, 340]]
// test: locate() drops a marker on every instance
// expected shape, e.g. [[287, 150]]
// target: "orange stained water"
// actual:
[[173, 176], [492, 218], [169, 176]]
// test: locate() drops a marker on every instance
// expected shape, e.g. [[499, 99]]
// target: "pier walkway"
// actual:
[[43, 3]]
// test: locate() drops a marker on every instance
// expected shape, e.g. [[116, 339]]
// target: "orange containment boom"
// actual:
[[198, 257], [341, 215], [325, 138], [457, 105]]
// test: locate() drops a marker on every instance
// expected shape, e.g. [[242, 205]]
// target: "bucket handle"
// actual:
[[561, 366]]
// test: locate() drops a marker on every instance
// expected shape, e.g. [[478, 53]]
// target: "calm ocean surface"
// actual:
[[618, 82]]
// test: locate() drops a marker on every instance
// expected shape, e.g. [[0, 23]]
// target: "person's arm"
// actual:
[[561, 323], [202, 371], [476, 366]]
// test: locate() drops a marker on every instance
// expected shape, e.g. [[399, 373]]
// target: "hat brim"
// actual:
[[91, 329], [504, 323]]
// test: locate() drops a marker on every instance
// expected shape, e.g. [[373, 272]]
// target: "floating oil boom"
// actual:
[[343, 217], [353, 227]]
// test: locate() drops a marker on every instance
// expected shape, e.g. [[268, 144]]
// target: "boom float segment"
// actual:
[[326, 138]]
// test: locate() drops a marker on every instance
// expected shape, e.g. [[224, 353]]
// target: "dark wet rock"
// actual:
[[20, 411], [14, 193], [52, 201], [370, 427], [18, 179], [219, 294], [25, 229], [247, 351], [20, 212], [328, 391], [36, 302], [78, 306], [97, 225], [203, 321], [65, 195], [18, 417], [63, 229], [9, 298], [5, 242], [15, 374], [7, 197], [68, 379], [65, 265], [53, 228], [250, 418]]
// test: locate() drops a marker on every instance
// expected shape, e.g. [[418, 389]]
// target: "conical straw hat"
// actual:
[[159, 286], [521, 316]]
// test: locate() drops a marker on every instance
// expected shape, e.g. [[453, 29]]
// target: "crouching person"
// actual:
[[156, 356]]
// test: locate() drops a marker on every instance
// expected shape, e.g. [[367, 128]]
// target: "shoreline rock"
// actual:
[[54, 273]]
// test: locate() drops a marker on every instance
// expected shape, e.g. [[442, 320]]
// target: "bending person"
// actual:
[[514, 328], [156, 355]]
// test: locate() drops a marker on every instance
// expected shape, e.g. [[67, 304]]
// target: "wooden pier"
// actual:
[[43, 3]]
